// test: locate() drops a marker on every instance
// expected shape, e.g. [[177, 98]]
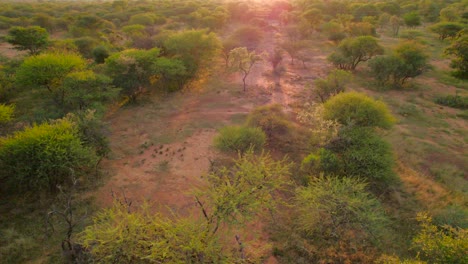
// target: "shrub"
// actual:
[[334, 221], [455, 101], [333, 84], [365, 154], [273, 121], [441, 245], [43, 156], [6, 113], [240, 138], [358, 109]]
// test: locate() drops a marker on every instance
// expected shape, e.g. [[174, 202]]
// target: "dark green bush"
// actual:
[[455, 101], [240, 138], [271, 119]]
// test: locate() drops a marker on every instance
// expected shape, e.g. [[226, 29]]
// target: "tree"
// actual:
[[236, 194], [195, 48], [85, 89], [459, 49], [441, 244], [228, 45], [293, 48], [332, 85], [43, 156], [248, 36], [100, 54], [33, 39], [121, 235], [48, 70], [352, 51], [395, 23], [359, 110], [447, 29], [414, 60], [412, 19], [334, 220], [360, 152], [243, 61], [408, 61]]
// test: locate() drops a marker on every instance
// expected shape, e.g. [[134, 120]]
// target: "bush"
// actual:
[[441, 245], [273, 121], [43, 156], [455, 101], [358, 109], [239, 138], [365, 154], [334, 221], [6, 113]]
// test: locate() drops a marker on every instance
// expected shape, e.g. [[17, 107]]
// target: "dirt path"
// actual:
[[162, 148]]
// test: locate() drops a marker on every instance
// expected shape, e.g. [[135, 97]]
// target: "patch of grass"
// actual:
[[238, 118], [451, 176], [163, 166], [455, 101]]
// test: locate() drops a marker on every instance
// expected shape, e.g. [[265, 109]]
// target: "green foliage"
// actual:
[[408, 61], [455, 101], [248, 36], [334, 220], [359, 110], [240, 139], [121, 235], [238, 193], [92, 131], [323, 160], [447, 29], [294, 48], [333, 84], [43, 156], [459, 49], [85, 45], [273, 121], [6, 113], [33, 39], [241, 60], [15, 247], [194, 47], [85, 89], [135, 70], [364, 154], [412, 19], [48, 70], [352, 51], [100, 54], [441, 245]]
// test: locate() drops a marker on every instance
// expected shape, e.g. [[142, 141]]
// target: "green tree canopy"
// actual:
[[33, 39], [333, 84], [352, 51], [138, 236], [408, 61], [194, 47], [48, 70], [40, 157], [459, 49], [358, 109], [333, 219], [447, 29]]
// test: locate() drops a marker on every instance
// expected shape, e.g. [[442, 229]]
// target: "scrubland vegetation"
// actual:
[[224, 131]]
